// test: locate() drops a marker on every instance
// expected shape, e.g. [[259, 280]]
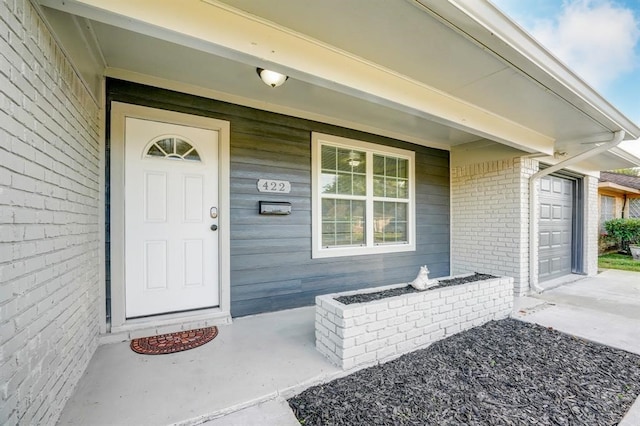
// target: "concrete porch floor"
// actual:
[[243, 376]]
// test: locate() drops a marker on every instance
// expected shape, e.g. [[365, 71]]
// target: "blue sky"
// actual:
[[598, 39]]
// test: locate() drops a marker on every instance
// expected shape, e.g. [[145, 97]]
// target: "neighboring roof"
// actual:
[[621, 179]]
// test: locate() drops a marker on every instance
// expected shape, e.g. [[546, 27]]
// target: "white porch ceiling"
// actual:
[[441, 83]]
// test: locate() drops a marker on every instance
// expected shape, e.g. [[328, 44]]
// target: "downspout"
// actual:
[[533, 199]]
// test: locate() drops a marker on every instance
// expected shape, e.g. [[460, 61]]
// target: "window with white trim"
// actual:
[[363, 197], [607, 211]]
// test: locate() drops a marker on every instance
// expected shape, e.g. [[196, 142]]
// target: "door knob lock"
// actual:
[[214, 227]]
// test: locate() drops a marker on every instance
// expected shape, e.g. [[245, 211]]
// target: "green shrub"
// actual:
[[625, 231]]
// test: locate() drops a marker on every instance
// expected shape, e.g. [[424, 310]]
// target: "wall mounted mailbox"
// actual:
[[275, 207]]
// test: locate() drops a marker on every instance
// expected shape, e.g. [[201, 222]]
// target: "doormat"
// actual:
[[173, 342]]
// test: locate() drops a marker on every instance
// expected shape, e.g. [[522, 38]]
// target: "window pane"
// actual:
[[328, 182], [359, 185], [343, 234], [343, 210], [328, 158], [328, 234], [328, 210], [182, 147], [607, 211], [378, 165], [401, 232], [350, 160], [391, 188], [401, 212], [403, 168], [378, 186], [360, 165], [390, 222], [403, 188], [357, 222], [193, 155], [391, 167], [634, 207], [343, 222], [166, 145], [344, 184], [154, 151]]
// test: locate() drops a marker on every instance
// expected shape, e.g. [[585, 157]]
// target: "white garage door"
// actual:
[[555, 227]]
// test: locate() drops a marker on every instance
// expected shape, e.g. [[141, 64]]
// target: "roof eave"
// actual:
[[614, 187], [482, 22]]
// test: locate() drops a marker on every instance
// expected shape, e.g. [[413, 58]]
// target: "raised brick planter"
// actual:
[[377, 331]]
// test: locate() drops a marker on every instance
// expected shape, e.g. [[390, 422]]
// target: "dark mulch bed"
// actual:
[[367, 297], [502, 373]]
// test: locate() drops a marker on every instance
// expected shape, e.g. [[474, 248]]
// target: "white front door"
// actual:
[[171, 201]]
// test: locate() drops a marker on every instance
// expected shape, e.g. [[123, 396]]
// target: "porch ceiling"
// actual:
[[420, 70]]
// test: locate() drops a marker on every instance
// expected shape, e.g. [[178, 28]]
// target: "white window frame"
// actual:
[[318, 251], [604, 215]]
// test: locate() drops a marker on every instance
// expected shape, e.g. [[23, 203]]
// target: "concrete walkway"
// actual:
[[604, 309], [244, 375], [255, 360]]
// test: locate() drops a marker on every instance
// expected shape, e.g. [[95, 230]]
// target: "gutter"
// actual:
[[533, 199]]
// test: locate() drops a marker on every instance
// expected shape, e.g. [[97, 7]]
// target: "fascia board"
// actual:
[[614, 187], [626, 156], [482, 22], [249, 39]]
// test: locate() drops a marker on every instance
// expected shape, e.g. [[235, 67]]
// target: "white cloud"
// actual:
[[596, 38]]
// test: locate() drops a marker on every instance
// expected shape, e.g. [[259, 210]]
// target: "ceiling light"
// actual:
[[354, 159], [271, 78]]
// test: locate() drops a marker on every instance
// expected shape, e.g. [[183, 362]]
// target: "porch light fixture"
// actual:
[[354, 159], [271, 78]]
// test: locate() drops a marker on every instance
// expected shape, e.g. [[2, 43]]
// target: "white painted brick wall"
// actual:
[[490, 219], [368, 333], [49, 221], [591, 225]]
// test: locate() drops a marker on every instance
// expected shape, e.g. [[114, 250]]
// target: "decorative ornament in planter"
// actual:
[[635, 251], [422, 281]]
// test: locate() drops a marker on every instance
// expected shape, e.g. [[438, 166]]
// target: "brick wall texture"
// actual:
[[490, 219], [367, 333], [49, 221], [592, 225]]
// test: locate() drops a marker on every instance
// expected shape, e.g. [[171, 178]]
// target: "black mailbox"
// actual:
[[275, 207]]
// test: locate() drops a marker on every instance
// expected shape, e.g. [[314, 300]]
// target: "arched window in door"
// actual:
[[173, 148]]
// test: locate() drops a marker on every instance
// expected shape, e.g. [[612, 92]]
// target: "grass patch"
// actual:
[[618, 261]]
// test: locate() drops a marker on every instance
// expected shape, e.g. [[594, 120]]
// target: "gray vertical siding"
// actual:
[[271, 264]]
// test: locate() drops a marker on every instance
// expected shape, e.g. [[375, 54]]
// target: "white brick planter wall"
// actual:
[[377, 331]]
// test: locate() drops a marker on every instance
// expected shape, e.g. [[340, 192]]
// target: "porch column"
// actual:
[[490, 219], [591, 225]]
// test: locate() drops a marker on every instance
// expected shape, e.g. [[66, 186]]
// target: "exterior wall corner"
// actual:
[[490, 219], [591, 225]]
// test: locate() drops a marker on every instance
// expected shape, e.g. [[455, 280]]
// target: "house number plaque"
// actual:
[[270, 185]]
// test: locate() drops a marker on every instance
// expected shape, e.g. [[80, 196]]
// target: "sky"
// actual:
[[598, 39]]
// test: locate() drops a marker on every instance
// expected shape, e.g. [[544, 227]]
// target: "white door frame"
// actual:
[[221, 314]]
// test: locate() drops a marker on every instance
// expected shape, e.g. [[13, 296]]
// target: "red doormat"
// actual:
[[173, 342]]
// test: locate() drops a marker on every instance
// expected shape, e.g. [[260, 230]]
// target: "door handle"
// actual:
[[214, 227]]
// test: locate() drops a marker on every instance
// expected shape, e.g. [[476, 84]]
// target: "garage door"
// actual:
[[555, 227]]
